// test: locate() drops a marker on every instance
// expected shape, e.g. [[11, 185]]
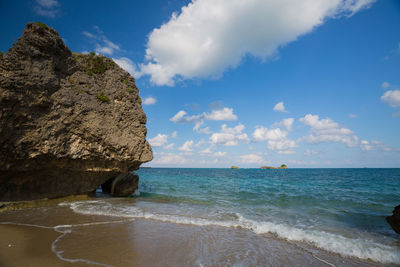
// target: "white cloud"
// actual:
[[228, 139], [229, 136], [280, 107], [223, 139], [170, 159], [170, 146], [263, 134], [326, 130], [186, 147], [221, 114], [210, 36], [219, 154], [205, 151], [204, 130], [374, 145], [200, 143], [106, 47], [392, 97], [251, 158], [282, 145], [128, 65], [174, 134], [276, 139], [285, 123], [159, 140], [309, 152], [47, 8], [235, 130], [286, 152], [385, 85], [224, 114], [149, 100], [178, 116]]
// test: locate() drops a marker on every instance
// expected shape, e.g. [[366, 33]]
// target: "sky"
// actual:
[[309, 84]]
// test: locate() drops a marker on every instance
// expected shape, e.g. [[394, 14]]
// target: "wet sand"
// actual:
[[83, 240], [28, 246]]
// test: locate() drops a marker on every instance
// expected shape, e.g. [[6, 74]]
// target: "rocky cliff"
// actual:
[[68, 122]]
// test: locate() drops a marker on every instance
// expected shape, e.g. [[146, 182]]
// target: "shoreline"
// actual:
[[65, 237]]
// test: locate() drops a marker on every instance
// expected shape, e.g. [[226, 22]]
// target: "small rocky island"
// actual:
[[283, 166], [68, 122]]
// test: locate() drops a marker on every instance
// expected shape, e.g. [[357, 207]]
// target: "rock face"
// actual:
[[122, 186], [68, 122], [394, 220]]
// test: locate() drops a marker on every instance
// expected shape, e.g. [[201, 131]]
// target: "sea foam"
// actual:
[[355, 247]]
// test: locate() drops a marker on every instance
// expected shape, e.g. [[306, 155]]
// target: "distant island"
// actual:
[[283, 166], [235, 167]]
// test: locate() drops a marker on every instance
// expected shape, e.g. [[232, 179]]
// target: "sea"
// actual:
[[235, 217]]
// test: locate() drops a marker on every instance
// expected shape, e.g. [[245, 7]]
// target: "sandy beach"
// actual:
[[53, 235]]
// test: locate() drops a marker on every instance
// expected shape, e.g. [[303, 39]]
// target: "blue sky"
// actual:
[[263, 82]]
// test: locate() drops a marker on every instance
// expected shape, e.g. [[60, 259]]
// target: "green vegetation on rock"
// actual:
[[102, 97], [98, 65], [41, 24]]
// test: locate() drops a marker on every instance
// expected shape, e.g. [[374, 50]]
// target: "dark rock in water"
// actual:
[[121, 186], [68, 122], [394, 220]]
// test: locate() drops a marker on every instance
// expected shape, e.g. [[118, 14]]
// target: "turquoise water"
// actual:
[[338, 210]]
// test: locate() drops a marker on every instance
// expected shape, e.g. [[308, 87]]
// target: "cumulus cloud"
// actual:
[[264, 134], [170, 159], [205, 151], [276, 139], [221, 114], [219, 154], [169, 147], [251, 158], [374, 145], [149, 100], [235, 130], [327, 130], [126, 64], [228, 139], [229, 136], [106, 47], [210, 36], [224, 114], [187, 146], [159, 140], [285, 123], [282, 146], [392, 97], [280, 107], [47, 8], [309, 152], [204, 130]]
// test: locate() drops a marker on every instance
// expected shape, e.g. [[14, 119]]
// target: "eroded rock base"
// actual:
[[121, 186], [39, 184]]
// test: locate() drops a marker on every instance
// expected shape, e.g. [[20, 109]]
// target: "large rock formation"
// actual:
[[68, 122], [394, 220]]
